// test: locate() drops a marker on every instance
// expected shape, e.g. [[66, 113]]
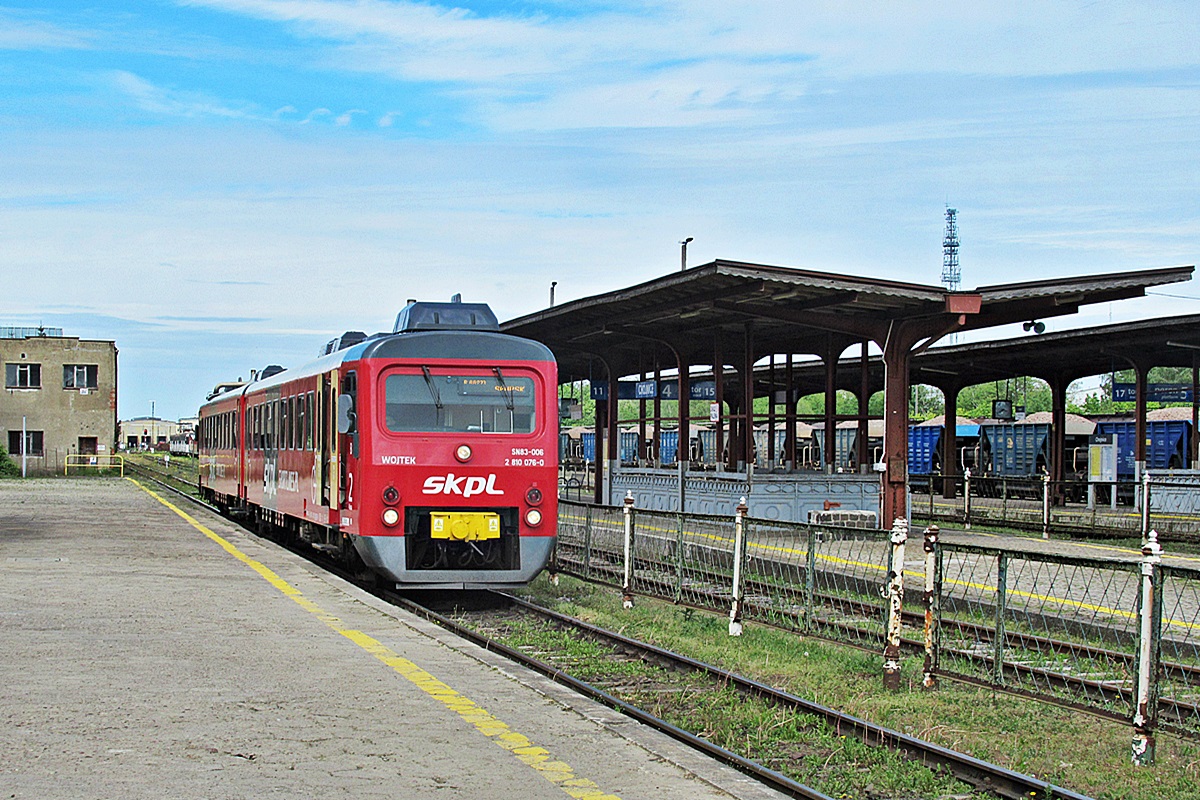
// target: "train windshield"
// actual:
[[427, 402]]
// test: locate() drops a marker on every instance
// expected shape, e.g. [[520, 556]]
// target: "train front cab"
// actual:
[[449, 470]]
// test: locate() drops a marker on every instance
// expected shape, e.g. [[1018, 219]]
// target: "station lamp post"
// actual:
[[683, 254]]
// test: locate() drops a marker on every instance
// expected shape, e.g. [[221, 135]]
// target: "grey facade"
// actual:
[[59, 398]]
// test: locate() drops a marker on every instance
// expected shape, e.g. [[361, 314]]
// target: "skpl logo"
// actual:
[[467, 487]]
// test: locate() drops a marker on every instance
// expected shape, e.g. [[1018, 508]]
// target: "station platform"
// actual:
[[154, 650]]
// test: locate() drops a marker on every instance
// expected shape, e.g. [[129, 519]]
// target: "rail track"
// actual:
[[1042, 653], [472, 624]]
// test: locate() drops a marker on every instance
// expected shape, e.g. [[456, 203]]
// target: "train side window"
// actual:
[[309, 429]]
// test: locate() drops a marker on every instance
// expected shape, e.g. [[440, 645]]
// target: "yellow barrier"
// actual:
[[95, 462]]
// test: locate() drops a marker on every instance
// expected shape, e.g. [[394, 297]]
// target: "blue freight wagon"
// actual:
[[668, 446], [1168, 444], [708, 445], [1016, 449], [845, 442], [629, 443], [923, 443]]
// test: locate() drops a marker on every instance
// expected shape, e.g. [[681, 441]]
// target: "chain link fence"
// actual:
[[1074, 630]]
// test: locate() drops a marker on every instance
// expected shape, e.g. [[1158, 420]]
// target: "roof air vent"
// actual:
[[453, 316]]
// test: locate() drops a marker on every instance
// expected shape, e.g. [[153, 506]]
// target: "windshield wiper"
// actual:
[[508, 400], [437, 398]]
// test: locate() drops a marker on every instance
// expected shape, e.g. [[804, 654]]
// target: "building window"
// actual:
[[79, 376], [33, 443], [22, 376]]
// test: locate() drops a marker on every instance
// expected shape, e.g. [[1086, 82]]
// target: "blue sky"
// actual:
[[223, 184]]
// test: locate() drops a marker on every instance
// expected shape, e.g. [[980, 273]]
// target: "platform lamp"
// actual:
[[683, 254]]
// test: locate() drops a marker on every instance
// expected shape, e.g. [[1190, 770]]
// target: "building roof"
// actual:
[[787, 310]]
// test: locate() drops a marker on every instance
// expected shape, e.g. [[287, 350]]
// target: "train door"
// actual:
[[326, 457], [346, 432], [241, 445]]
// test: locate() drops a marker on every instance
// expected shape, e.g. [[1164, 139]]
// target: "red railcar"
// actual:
[[429, 454]]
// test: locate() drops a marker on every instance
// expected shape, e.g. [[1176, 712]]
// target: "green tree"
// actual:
[[8, 467]]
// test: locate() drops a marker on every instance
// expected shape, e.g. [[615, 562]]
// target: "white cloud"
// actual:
[[27, 32], [160, 100]]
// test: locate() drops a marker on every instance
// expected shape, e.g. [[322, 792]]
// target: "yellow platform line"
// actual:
[[522, 748]]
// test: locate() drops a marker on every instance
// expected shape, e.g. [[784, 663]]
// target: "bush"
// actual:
[[8, 467]]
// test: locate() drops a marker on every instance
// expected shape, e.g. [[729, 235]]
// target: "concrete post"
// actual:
[[1145, 718], [894, 592], [739, 559], [627, 588], [929, 681]]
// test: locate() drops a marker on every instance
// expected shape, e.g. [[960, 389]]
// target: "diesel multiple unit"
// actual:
[[428, 456]]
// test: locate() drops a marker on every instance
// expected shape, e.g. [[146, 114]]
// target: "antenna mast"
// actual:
[[951, 274]]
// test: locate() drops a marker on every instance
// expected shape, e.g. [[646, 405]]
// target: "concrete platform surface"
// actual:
[[146, 655]]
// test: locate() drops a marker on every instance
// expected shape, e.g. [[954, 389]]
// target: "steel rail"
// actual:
[[978, 773], [1178, 710], [764, 774]]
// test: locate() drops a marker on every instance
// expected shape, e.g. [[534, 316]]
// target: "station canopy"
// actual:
[[720, 306]]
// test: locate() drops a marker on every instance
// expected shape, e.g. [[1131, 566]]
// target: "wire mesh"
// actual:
[[1179, 686], [1042, 623], [1046, 624]]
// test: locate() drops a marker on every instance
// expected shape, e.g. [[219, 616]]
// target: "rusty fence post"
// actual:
[[967, 498], [587, 542], [894, 592], [1001, 635], [932, 606], [1145, 715], [1046, 505], [1145, 506], [810, 579], [627, 588], [739, 559]]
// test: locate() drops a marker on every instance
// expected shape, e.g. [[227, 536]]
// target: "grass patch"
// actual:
[[1074, 750]]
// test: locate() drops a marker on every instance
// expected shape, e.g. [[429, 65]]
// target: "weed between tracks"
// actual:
[[1067, 748], [797, 745]]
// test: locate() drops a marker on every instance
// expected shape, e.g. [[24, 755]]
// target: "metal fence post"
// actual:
[[587, 543], [967, 498], [1045, 505], [894, 592], [1145, 716], [627, 588], [932, 607], [810, 579], [739, 558], [1001, 613], [1145, 506], [679, 557]]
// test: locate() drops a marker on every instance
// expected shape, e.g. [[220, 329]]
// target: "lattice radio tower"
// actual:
[[951, 274]]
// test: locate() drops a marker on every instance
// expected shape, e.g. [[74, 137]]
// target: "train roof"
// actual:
[[455, 344], [431, 345]]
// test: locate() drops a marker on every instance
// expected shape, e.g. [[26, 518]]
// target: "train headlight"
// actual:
[[391, 517], [533, 496], [391, 495], [533, 517], [463, 452]]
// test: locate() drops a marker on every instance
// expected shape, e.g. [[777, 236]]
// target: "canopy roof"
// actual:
[[691, 313]]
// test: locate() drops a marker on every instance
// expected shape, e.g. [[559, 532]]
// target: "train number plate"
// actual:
[[464, 526]]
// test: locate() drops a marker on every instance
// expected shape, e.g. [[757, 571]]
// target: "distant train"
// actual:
[[427, 455], [183, 444], [1022, 449]]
